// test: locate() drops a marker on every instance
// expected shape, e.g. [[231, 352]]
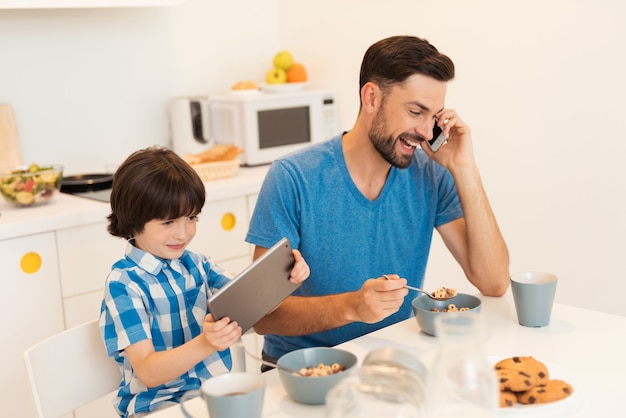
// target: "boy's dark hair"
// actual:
[[392, 60], [153, 183]]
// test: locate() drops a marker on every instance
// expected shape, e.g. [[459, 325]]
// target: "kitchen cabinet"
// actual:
[[86, 254], [31, 310], [221, 231], [50, 281], [68, 4]]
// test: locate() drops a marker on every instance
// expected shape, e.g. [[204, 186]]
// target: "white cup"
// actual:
[[533, 293], [230, 395]]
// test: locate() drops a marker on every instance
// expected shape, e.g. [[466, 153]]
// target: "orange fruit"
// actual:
[[296, 74]]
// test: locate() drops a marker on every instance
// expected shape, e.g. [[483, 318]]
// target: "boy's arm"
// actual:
[[155, 368]]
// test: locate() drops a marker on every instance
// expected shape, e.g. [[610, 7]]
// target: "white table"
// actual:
[[586, 347]]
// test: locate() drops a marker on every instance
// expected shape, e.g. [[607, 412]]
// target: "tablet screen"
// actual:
[[257, 290]]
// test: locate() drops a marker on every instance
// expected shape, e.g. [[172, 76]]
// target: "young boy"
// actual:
[[154, 317]]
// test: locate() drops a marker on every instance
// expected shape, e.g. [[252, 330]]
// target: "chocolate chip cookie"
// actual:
[[507, 399], [550, 391], [515, 380], [529, 365]]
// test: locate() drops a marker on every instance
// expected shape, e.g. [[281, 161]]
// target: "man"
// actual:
[[365, 204]]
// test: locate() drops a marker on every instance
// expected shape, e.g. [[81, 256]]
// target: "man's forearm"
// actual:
[[299, 315], [488, 257]]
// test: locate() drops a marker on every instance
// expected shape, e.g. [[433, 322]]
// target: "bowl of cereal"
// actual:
[[32, 185], [321, 368], [426, 309]]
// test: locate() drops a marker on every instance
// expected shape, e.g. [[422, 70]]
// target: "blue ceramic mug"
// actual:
[[230, 395]]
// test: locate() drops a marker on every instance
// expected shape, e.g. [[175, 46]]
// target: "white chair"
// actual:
[[70, 369]]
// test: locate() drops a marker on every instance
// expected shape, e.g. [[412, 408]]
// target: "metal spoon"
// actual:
[[269, 363], [417, 289]]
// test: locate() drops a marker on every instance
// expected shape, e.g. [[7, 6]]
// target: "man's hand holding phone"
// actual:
[[458, 150]]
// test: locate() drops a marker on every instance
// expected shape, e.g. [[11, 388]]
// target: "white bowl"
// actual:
[[284, 87]]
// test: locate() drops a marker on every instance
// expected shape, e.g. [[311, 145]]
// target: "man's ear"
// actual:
[[371, 97]]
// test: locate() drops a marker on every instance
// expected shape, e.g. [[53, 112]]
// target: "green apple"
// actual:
[[276, 76], [283, 60]]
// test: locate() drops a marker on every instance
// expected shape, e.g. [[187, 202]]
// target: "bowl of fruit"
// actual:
[[286, 75], [32, 185]]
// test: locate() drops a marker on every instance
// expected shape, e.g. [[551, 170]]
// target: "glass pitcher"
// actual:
[[390, 383], [461, 381]]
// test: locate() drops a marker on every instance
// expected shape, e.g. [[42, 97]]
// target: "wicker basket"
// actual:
[[216, 170]]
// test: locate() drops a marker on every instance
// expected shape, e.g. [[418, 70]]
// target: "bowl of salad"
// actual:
[[32, 185]]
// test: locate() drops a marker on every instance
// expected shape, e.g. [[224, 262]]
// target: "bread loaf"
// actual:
[[218, 152]]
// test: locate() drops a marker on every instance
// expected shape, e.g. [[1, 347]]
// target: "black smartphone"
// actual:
[[438, 138]]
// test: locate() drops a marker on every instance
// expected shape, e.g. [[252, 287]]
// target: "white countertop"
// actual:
[[62, 211], [248, 180], [65, 211], [581, 346]]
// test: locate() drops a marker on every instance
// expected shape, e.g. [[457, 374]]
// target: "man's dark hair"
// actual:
[[153, 183], [392, 60]]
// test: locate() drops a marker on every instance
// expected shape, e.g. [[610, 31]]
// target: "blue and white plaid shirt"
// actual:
[[165, 301]]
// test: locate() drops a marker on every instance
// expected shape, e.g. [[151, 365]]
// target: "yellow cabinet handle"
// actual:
[[30, 263], [228, 221]]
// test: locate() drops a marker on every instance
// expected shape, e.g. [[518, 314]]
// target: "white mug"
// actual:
[[230, 395]]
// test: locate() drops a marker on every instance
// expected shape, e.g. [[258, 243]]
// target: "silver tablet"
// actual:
[[257, 290]]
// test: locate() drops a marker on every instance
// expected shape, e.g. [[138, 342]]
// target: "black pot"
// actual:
[[86, 183]]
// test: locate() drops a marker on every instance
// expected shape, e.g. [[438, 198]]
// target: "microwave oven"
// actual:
[[264, 125]]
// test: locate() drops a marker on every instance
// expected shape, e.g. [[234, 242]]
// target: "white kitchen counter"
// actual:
[[61, 212], [248, 180], [66, 211]]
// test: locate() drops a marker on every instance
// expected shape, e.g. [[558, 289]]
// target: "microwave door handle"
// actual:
[[199, 121]]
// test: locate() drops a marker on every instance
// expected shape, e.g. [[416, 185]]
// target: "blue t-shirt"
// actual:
[[310, 198]]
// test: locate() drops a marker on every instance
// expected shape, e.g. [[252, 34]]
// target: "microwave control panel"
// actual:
[[331, 117]]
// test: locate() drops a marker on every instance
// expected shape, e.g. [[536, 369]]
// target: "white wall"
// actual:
[[542, 85], [89, 86]]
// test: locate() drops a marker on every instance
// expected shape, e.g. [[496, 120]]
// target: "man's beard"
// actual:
[[385, 145]]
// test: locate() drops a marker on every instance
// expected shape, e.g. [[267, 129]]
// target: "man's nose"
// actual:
[[425, 129]]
